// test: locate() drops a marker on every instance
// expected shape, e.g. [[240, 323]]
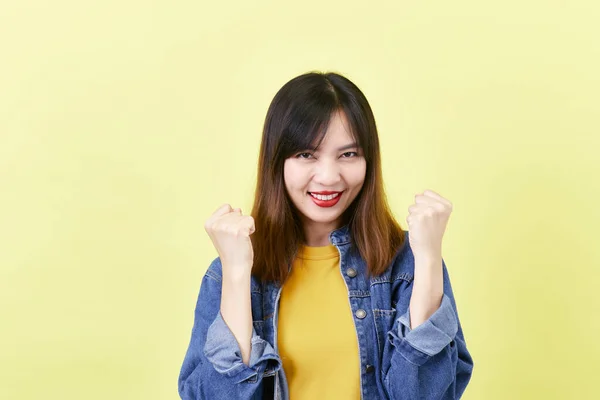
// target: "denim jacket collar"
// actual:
[[340, 235]]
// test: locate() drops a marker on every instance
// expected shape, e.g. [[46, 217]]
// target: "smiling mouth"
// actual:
[[326, 201], [325, 197]]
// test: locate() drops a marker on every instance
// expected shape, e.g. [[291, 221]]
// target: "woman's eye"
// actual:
[[348, 154], [299, 155]]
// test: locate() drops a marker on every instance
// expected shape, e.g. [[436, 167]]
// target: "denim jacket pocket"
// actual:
[[384, 320]]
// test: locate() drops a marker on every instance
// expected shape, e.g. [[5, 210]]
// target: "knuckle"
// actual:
[[222, 228]]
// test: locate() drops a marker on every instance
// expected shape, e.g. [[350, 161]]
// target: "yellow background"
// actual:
[[125, 124]]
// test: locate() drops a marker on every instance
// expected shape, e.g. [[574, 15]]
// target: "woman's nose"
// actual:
[[327, 174]]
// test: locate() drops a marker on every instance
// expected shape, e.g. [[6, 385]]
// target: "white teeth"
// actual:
[[324, 197]]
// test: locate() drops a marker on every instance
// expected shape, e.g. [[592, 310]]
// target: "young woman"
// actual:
[[318, 293]]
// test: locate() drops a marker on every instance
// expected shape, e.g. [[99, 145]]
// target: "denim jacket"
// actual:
[[396, 362]]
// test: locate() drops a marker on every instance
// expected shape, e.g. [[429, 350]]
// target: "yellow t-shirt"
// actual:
[[316, 334]]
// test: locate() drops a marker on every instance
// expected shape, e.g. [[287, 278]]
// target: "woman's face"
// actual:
[[337, 166]]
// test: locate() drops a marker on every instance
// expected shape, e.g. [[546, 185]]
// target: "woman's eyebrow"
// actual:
[[348, 146], [345, 147]]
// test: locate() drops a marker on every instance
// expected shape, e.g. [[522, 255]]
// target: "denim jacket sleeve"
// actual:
[[430, 361], [213, 367]]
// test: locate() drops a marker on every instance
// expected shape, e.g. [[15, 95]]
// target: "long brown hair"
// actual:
[[296, 120]]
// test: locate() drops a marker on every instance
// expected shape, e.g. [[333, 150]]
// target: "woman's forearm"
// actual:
[[428, 289], [236, 309]]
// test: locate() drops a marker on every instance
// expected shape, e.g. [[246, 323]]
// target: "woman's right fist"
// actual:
[[230, 233]]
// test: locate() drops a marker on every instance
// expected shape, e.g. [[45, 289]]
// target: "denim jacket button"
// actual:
[[351, 272], [360, 313], [370, 368]]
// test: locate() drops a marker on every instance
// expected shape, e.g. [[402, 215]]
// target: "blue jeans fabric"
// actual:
[[396, 362]]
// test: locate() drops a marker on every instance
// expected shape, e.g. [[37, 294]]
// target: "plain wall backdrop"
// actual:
[[125, 124]]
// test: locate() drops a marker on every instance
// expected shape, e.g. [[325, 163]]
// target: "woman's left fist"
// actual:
[[427, 220]]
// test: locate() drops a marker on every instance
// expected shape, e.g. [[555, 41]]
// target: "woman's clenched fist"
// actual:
[[230, 233], [427, 220]]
